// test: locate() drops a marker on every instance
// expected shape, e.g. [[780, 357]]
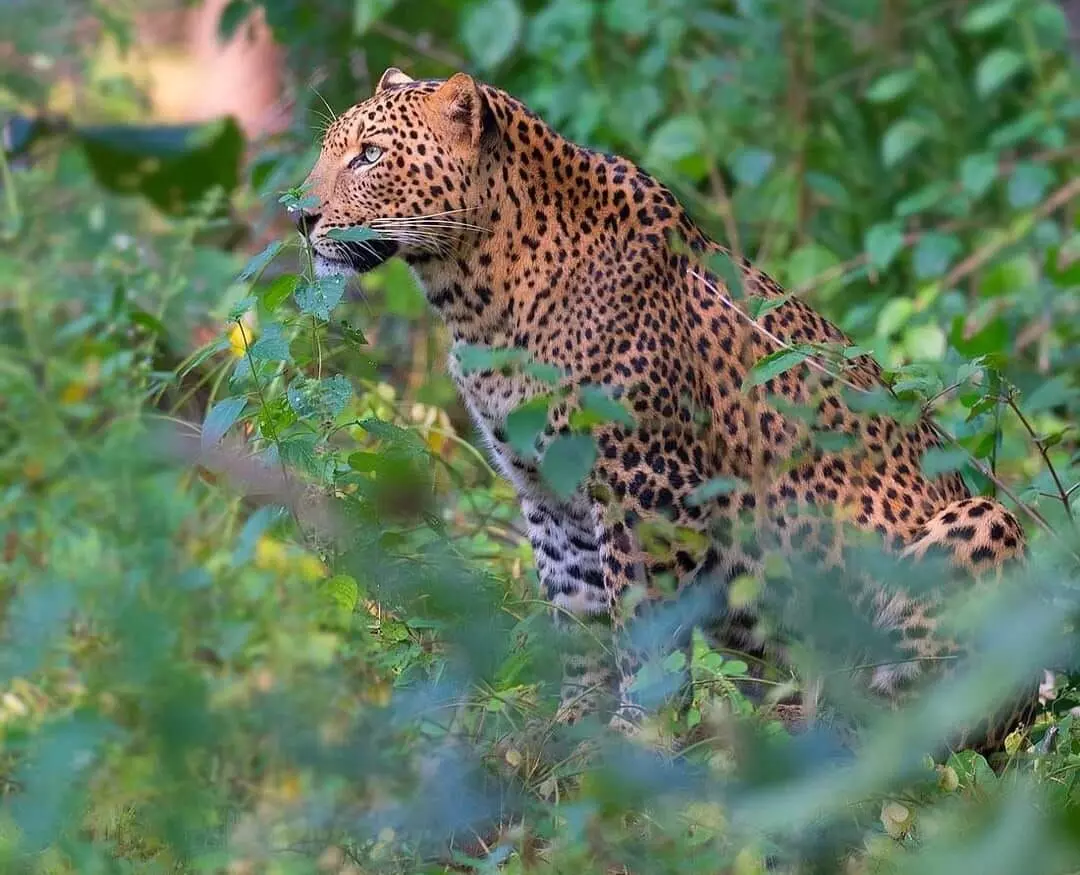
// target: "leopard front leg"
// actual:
[[568, 564], [641, 482]]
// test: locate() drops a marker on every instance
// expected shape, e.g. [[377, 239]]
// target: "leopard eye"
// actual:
[[370, 154]]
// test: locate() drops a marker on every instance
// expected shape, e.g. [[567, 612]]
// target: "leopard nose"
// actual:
[[305, 221]]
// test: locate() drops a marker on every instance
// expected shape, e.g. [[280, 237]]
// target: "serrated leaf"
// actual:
[[996, 69], [773, 365], [567, 461], [219, 419], [883, 243], [272, 345], [900, 140], [259, 262], [891, 86], [399, 438], [323, 398], [318, 298], [299, 451]]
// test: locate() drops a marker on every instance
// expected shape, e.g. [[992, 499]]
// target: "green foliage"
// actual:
[[264, 607]]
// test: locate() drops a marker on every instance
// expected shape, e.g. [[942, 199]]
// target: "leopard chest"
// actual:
[[490, 397]]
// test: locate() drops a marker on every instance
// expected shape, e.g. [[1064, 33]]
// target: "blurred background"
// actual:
[[265, 607]]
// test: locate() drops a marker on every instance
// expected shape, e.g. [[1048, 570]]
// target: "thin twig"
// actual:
[[418, 45], [1041, 445], [981, 256]]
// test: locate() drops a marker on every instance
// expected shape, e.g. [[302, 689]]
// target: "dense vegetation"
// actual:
[[264, 607]]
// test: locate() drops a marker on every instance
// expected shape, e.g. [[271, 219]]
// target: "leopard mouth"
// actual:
[[358, 257]]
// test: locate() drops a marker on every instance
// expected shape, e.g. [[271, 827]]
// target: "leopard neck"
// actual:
[[549, 208]]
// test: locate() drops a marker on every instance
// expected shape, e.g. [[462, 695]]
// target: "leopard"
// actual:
[[583, 262]]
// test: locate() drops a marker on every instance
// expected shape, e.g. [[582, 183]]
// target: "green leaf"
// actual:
[[721, 264], [598, 402], [900, 140], [713, 488], [355, 234], [367, 13], [891, 86], [934, 253], [978, 172], [545, 373], [924, 199], [996, 69], [299, 451], [527, 422], [237, 310], [344, 591], [275, 292], [829, 188], [399, 438], [258, 263], [675, 139], [490, 30], [883, 243], [926, 342], [172, 166], [807, 263], [774, 364], [219, 419], [986, 16], [832, 441], [364, 462], [272, 345], [1028, 183], [1054, 392], [567, 461], [894, 316], [322, 398], [318, 298], [473, 357], [750, 166]]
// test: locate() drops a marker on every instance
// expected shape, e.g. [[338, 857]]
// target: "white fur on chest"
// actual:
[[490, 398]]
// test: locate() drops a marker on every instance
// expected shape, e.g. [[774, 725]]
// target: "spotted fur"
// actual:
[[523, 239]]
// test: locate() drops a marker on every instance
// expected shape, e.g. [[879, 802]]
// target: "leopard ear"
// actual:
[[463, 105], [393, 76]]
